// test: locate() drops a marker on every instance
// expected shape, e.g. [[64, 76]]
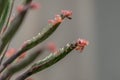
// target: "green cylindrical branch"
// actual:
[[3, 53], [48, 61], [20, 63], [3, 4], [5, 23], [13, 28], [6, 11], [45, 33], [53, 58], [6, 15]]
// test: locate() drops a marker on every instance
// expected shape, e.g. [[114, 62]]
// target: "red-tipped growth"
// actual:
[[66, 13], [81, 43], [10, 52], [20, 8], [56, 20], [52, 47], [32, 5]]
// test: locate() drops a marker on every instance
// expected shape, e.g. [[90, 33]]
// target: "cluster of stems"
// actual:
[[16, 60]]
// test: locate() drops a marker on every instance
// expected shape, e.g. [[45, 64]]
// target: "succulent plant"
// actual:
[[19, 59]]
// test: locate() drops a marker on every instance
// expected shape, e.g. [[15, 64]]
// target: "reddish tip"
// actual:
[[52, 47], [66, 13], [10, 52], [56, 20], [81, 43], [20, 8]]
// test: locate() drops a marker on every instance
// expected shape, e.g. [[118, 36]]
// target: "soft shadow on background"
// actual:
[[95, 20]]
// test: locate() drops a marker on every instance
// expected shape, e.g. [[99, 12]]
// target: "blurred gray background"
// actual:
[[95, 20]]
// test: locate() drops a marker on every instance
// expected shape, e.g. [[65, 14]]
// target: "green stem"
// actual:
[[3, 4], [5, 27], [12, 29], [19, 65], [48, 61], [46, 32], [6, 15]]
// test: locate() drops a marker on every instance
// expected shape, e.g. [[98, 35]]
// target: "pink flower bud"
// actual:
[[81, 43], [58, 19], [10, 52], [52, 47], [20, 8], [66, 13]]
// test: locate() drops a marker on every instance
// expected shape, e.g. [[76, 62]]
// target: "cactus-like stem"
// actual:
[[18, 65], [3, 53], [9, 8], [3, 4], [6, 16], [46, 32], [17, 59], [6, 21], [53, 58], [48, 61], [14, 26]]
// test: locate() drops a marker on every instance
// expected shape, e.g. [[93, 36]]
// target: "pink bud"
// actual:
[[20, 8], [58, 19], [10, 52], [81, 43], [66, 13], [52, 47]]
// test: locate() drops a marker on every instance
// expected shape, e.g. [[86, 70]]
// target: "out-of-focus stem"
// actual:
[[14, 26], [18, 65]]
